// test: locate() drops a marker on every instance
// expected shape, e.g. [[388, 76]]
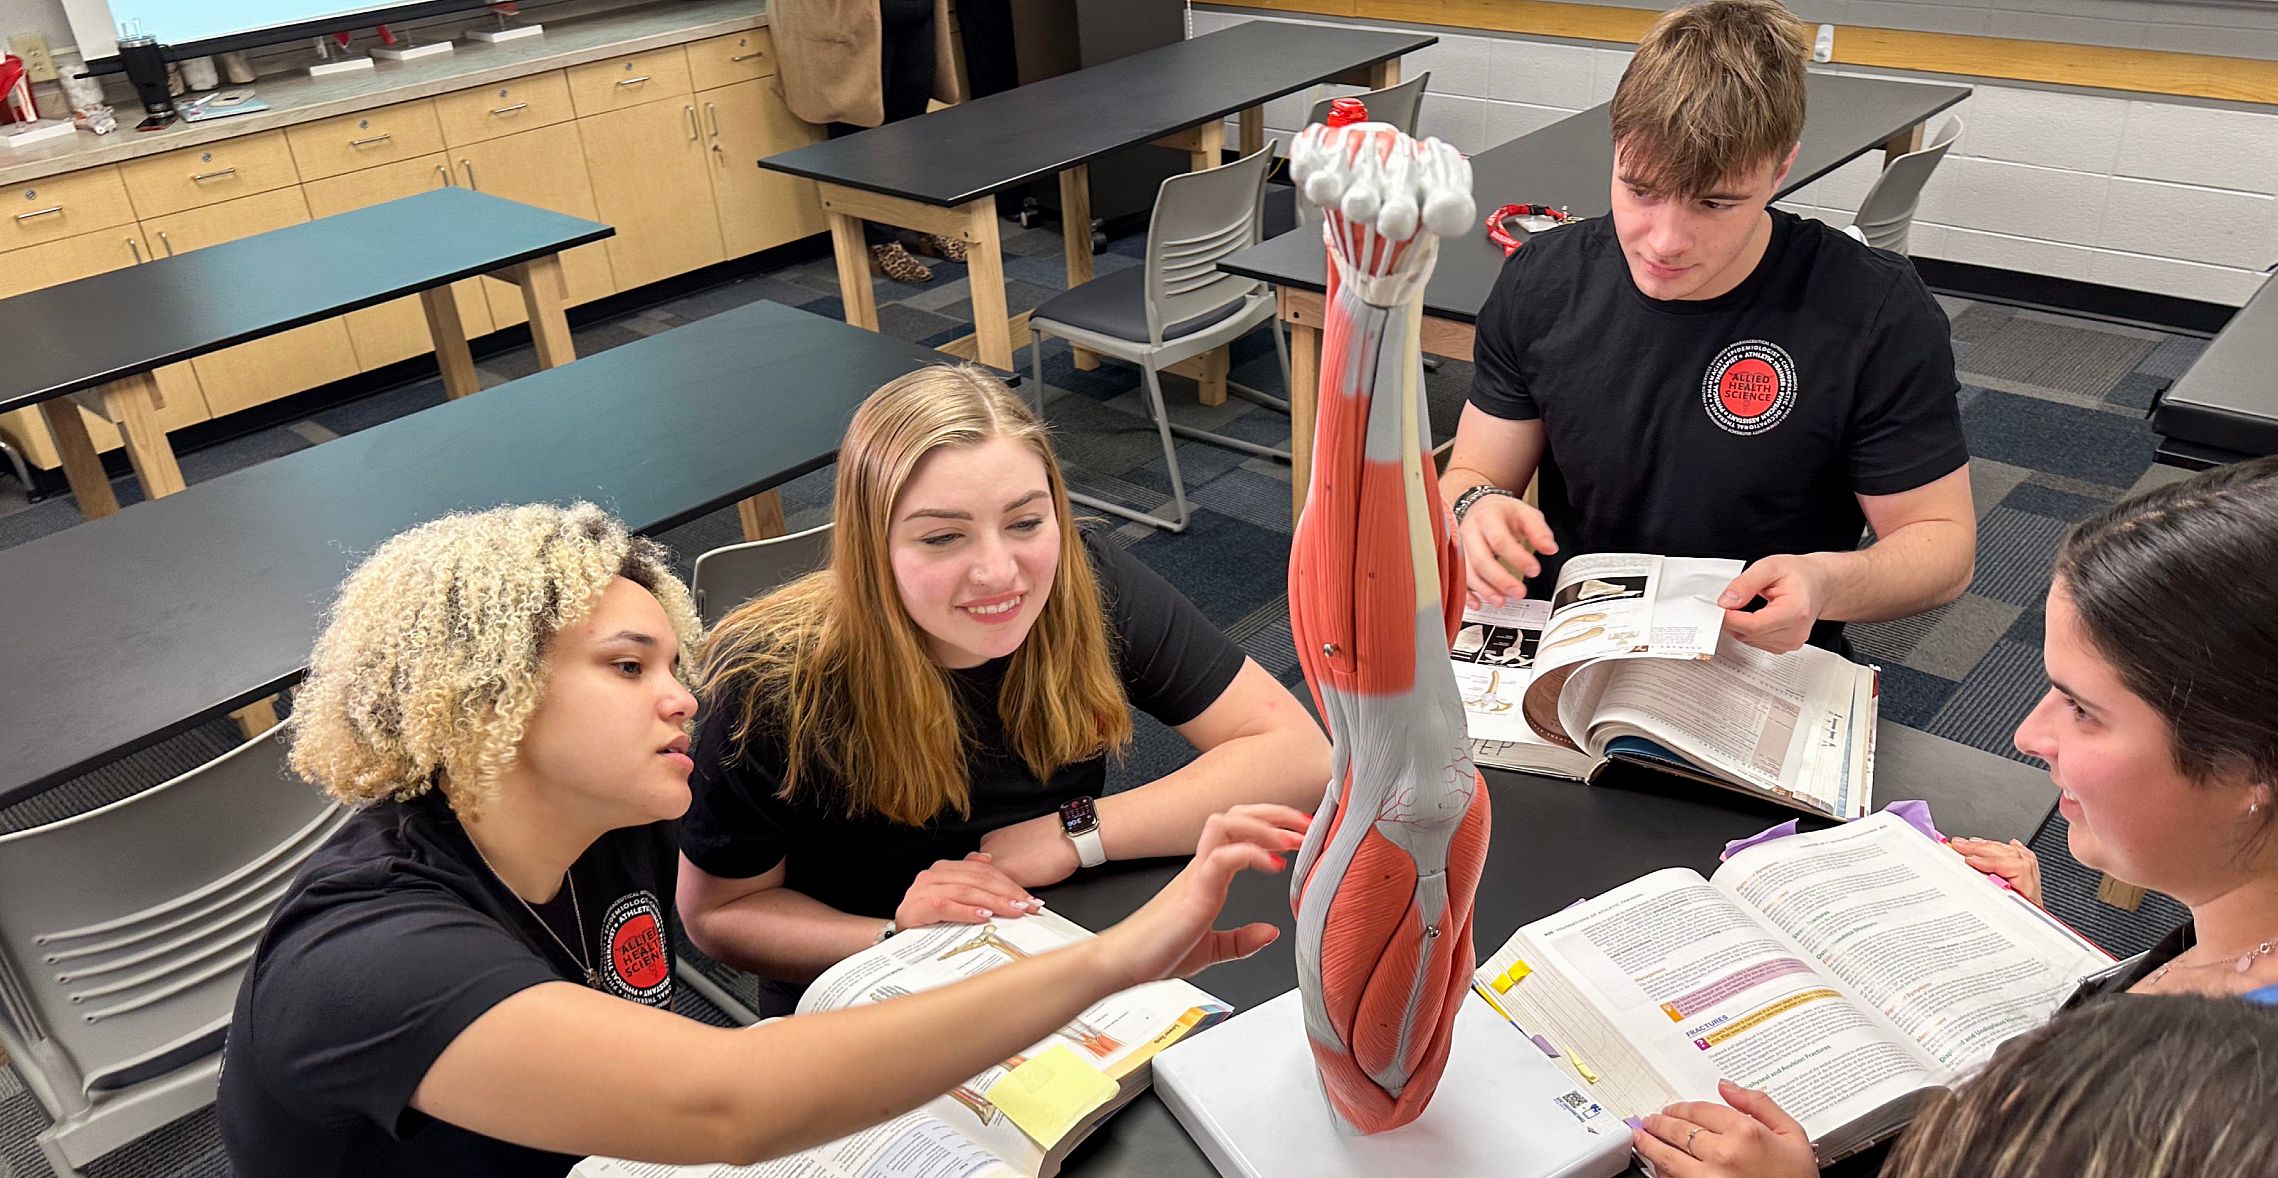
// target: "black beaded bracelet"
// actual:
[[1464, 501]]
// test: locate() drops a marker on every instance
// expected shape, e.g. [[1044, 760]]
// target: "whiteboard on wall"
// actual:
[[95, 23]]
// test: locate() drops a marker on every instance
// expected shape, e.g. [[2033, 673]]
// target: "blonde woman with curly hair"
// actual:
[[473, 977], [919, 733]]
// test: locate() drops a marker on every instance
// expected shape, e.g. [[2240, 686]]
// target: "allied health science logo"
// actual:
[[1750, 387], [638, 965]]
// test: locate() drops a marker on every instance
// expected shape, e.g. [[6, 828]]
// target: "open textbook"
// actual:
[[1849, 971], [1015, 1120], [1627, 661]]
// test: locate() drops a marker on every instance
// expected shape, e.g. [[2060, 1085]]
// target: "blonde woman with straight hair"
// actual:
[[474, 975], [919, 733]]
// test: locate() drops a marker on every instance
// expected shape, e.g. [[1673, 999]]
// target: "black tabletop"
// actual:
[[123, 630], [1571, 163], [1553, 842], [969, 150], [62, 339], [2225, 408]]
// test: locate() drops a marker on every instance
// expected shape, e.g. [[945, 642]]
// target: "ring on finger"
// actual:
[[1688, 1146]]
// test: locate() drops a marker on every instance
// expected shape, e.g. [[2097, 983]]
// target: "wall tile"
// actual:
[[2077, 132], [2200, 145], [2211, 225], [2005, 251], [2016, 199], [1458, 64], [1928, 18], [1846, 186], [2261, 43], [1543, 74], [2096, 9], [2190, 280], [1462, 122], [1509, 120], [2077, 30], [1607, 75]]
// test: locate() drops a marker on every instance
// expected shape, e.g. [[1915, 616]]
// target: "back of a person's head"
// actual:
[[2131, 1086], [2178, 589], [1715, 89]]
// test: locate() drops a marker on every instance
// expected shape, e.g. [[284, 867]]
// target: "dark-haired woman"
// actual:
[[2160, 727]]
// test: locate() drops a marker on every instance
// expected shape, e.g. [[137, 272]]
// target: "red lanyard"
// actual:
[[1502, 237]]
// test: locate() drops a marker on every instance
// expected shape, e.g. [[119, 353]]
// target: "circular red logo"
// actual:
[[640, 964], [1749, 387]]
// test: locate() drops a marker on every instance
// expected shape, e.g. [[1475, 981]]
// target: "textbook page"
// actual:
[[1687, 986], [1620, 603], [1493, 656], [913, 1145], [1799, 726], [1957, 962]]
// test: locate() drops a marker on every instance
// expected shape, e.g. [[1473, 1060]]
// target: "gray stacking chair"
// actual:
[[125, 931], [725, 578], [1887, 213], [1175, 307]]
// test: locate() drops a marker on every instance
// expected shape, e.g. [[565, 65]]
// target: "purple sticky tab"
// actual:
[[1543, 1043], [1917, 815], [1634, 1123], [1736, 846]]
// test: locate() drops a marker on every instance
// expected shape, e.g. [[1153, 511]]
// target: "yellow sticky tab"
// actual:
[[1512, 977], [1580, 1065], [1049, 1093]]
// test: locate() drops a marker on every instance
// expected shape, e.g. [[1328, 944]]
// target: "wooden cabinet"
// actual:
[[508, 108], [266, 369], [758, 209], [390, 134], [66, 260], [62, 206], [545, 167], [621, 83], [198, 176], [737, 57], [649, 168], [396, 331]]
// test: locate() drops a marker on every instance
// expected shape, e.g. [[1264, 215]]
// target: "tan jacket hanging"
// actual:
[[831, 65]]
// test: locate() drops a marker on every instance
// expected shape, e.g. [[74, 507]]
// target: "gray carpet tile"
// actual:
[[2173, 356], [2015, 549], [2000, 691], [2073, 357], [2087, 444], [1965, 630]]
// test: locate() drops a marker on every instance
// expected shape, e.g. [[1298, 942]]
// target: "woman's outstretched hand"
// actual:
[[1172, 935]]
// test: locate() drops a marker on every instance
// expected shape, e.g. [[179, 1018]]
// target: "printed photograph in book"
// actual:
[[1016, 1119], [1493, 656], [1850, 972], [1633, 667]]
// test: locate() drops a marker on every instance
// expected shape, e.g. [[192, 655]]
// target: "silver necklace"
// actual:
[[2244, 963], [592, 976]]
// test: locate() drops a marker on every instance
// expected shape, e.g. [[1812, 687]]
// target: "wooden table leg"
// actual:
[[133, 403], [1253, 131], [1304, 397], [449, 333], [1211, 380], [545, 296], [82, 465], [1076, 239], [1209, 147], [985, 266], [1384, 73], [853, 256], [256, 718], [762, 515], [1909, 140]]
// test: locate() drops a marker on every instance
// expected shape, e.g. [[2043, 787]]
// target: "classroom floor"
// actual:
[[2053, 405]]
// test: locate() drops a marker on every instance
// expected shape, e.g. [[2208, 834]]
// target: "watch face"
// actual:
[[1077, 816]]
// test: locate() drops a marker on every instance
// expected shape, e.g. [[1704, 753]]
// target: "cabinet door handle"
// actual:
[[507, 110], [380, 138], [136, 248], [693, 133], [469, 165], [712, 112], [167, 242], [633, 81], [746, 56], [444, 170], [52, 209], [215, 175]]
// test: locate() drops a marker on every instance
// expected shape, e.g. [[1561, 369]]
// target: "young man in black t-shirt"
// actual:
[[1700, 375]]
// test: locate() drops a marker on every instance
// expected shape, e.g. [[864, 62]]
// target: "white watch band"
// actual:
[[1090, 851]]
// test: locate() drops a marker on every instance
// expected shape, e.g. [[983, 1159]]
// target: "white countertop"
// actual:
[[294, 97]]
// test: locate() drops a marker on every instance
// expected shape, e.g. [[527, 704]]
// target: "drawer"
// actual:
[[195, 177], [523, 104], [737, 57], [367, 139], [62, 206], [620, 82]]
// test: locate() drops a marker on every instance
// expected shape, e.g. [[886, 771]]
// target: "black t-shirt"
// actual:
[[1174, 665], [393, 938], [1739, 426]]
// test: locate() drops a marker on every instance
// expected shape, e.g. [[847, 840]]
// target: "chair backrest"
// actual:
[[1888, 211], [727, 577], [1399, 105], [1200, 217], [124, 931]]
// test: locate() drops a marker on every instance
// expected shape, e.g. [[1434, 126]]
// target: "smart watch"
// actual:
[[1079, 820]]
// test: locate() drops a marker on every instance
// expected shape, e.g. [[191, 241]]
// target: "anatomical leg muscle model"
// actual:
[[1383, 887]]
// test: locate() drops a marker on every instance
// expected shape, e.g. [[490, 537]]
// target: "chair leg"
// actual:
[[1170, 448], [1036, 368]]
